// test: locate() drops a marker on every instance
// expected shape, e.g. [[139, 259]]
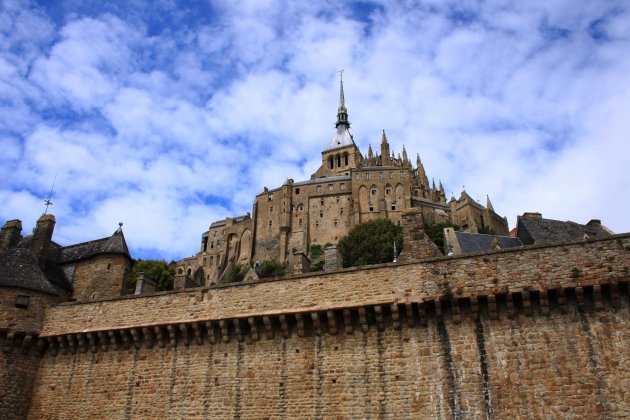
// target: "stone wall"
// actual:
[[19, 361], [100, 277], [532, 332]]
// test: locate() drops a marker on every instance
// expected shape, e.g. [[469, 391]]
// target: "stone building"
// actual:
[[349, 188]]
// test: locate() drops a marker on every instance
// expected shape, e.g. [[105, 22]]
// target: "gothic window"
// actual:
[[373, 191], [338, 161], [367, 175], [345, 156], [388, 190], [391, 175]]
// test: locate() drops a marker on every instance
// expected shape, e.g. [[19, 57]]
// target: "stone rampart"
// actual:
[[534, 332]]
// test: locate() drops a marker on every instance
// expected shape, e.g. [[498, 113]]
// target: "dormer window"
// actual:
[[21, 301]]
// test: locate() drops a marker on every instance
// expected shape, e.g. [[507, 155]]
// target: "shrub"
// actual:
[[271, 268], [370, 243]]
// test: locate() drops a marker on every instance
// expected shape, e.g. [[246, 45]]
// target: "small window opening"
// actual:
[[269, 196], [371, 208], [331, 187], [297, 191], [109, 265], [21, 301], [319, 188]]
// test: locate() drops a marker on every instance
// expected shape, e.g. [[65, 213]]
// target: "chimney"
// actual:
[[532, 215], [10, 234], [592, 222], [42, 237]]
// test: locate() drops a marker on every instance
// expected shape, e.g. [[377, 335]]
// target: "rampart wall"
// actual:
[[532, 332]]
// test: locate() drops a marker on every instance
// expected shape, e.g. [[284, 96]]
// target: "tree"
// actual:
[[435, 232], [158, 270], [370, 243]]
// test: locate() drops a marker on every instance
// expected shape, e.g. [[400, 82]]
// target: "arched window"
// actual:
[[189, 272]]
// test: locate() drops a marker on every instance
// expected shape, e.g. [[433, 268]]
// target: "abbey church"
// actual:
[[349, 188]]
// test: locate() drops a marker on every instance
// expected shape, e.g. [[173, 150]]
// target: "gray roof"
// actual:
[[114, 244], [18, 268], [548, 231], [341, 139], [479, 242]]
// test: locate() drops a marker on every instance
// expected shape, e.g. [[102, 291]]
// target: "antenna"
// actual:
[[47, 201]]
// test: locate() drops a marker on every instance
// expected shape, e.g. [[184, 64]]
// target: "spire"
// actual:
[[405, 159], [342, 112], [488, 203], [384, 140], [385, 150], [423, 175], [441, 187], [370, 155]]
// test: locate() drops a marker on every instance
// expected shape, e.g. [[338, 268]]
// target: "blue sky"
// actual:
[[170, 115]]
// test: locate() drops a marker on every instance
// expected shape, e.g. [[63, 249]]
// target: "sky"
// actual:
[[169, 115]]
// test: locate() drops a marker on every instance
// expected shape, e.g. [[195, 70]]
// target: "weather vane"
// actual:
[[47, 201]]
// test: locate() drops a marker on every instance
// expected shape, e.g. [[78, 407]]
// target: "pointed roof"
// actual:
[[384, 138], [342, 137], [488, 203], [114, 244]]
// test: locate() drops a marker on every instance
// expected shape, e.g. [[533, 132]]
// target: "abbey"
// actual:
[[348, 189]]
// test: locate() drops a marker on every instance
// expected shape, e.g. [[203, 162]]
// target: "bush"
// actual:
[[370, 243], [271, 268], [435, 232], [158, 270], [236, 274]]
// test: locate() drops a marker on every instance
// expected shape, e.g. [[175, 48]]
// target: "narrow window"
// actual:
[[189, 271], [380, 175], [297, 191], [346, 158], [338, 161], [357, 176], [341, 211], [388, 190], [321, 202], [212, 244], [300, 222], [269, 196], [330, 162], [335, 222], [391, 175], [393, 207], [373, 191], [402, 174], [367, 175], [271, 209], [316, 225], [270, 224], [109, 265], [321, 214]]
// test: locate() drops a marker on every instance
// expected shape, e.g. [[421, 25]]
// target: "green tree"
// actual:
[[315, 254], [370, 243], [158, 270], [435, 232]]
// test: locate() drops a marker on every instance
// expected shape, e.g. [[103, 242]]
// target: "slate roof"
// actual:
[[548, 231], [114, 244], [479, 242], [18, 268]]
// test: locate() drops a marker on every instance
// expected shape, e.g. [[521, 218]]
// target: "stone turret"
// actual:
[[10, 234], [385, 150], [42, 237]]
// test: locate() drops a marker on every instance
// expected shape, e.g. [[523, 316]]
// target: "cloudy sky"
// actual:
[[168, 116]]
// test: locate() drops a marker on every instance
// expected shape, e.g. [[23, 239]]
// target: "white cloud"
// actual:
[[169, 128]]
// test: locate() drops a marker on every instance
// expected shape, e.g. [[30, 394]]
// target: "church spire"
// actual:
[[385, 150], [488, 203], [342, 112]]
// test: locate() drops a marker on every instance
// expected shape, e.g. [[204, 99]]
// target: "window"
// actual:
[[21, 301], [337, 199], [380, 175], [189, 271], [346, 158], [373, 191], [393, 207], [402, 174], [212, 245], [391, 175], [341, 211], [300, 223], [357, 176], [269, 196], [321, 214], [331, 187], [297, 191], [388, 190], [319, 188], [342, 186], [321, 202], [211, 261], [271, 209], [270, 224], [338, 161], [371, 208], [316, 225], [367, 176], [335, 222]]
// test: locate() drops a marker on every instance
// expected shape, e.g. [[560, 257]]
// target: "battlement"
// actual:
[[531, 281]]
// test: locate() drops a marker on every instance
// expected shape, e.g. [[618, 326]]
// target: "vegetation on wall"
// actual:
[[158, 270], [271, 268], [236, 273], [315, 255], [370, 243], [435, 231]]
